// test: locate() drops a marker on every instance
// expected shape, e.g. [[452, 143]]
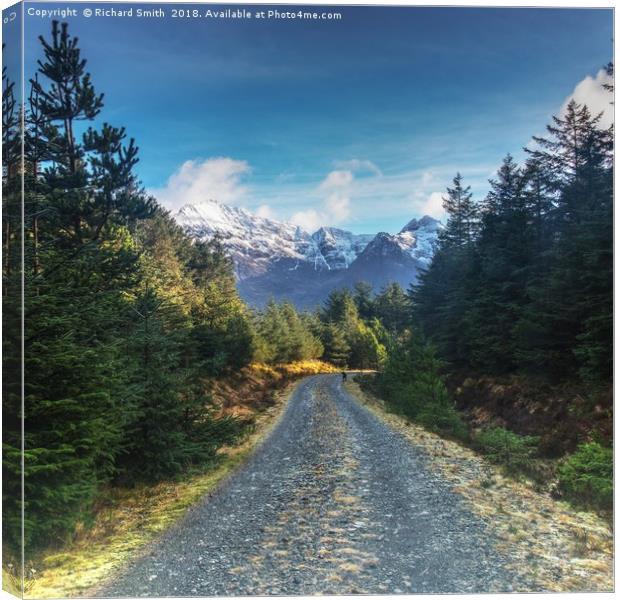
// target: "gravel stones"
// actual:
[[333, 502]]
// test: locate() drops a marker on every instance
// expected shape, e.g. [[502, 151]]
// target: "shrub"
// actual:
[[587, 475], [507, 448], [444, 419], [436, 411], [413, 385]]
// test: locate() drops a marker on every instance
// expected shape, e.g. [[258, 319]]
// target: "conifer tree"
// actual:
[[363, 298], [11, 319], [503, 255], [81, 197], [340, 308], [462, 215], [337, 348], [572, 308], [392, 307]]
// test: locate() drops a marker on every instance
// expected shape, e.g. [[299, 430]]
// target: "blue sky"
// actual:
[[359, 122]]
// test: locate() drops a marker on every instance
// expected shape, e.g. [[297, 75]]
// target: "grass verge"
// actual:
[[126, 520], [551, 544]]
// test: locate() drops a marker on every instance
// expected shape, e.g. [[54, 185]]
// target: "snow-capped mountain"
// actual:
[[252, 241], [419, 238], [281, 260], [338, 248]]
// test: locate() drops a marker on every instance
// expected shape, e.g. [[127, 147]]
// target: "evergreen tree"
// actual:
[[462, 215], [11, 319], [337, 348], [503, 253], [273, 332], [392, 307], [81, 198], [533, 290], [154, 445], [366, 352], [413, 383], [223, 330], [283, 335], [572, 308], [340, 308], [363, 298]]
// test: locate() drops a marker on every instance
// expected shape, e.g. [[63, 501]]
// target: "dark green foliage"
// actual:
[[364, 301], [462, 215], [587, 475], [506, 448], [528, 287], [337, 349], [222, 331], [73, 362], [11, 317], [412, 384], [572, 303], [392, 307], [124, 316], [348, 338], [78, 263], [283, 335], [340, 308]]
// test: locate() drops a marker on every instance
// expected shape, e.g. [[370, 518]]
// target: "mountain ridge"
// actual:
[[281, 260]]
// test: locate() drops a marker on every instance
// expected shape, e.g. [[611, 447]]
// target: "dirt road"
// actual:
[[335, 502]]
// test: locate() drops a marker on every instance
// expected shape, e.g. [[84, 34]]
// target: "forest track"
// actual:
[[335, 502]]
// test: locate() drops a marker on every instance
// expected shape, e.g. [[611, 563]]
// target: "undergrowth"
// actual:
[[124, 518], [583, 478], [587, 475]]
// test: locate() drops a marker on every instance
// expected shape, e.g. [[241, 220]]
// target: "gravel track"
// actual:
[[333, 502]]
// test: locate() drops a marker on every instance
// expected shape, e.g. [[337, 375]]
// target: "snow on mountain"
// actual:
[[278, 259], [419, 238], [339, 248], [252, 241]]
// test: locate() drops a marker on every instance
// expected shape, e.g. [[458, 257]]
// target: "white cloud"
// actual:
[[433, 206], [357, 165], [590, 91], [336, 206], [196, 181], [337, 179], [265, 211], [310, 220]]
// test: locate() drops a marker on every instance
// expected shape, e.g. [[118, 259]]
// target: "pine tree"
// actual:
[[572, 306], [11, 320], [503, 253], [392, 307], [81, 198], [154, 444], [223, 330], [340, 308], [337, 348], [363, 298], [462, 214], [366, 352], [440, 298]]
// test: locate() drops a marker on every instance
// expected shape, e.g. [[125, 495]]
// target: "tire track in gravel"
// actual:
[[333, 502]]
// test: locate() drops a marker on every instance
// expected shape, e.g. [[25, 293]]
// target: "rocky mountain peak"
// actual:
[[425, 222], [278, 259]]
